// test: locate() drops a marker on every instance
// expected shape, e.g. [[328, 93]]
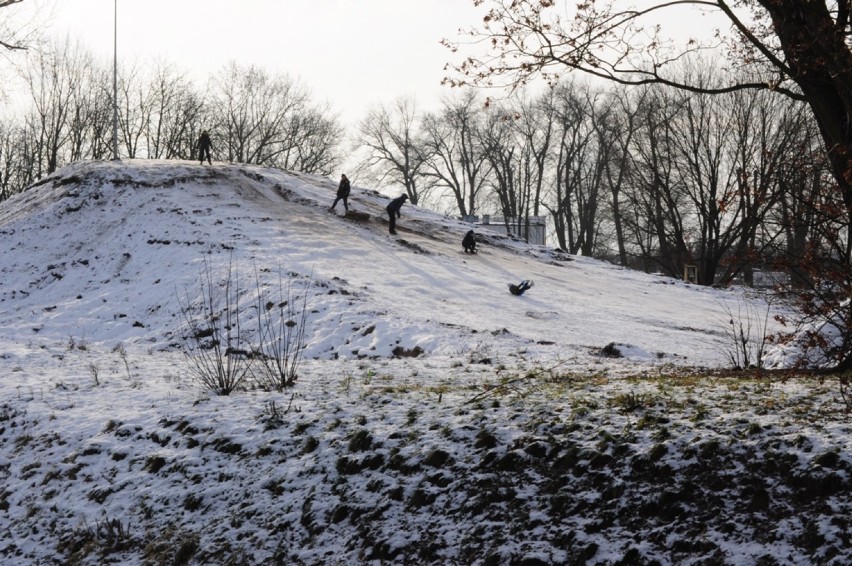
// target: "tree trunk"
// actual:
[[821, 64]]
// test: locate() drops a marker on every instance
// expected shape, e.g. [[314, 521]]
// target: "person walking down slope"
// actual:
[[204, 145], [393, 211], [342, 194], [519, 289], [469, 242]]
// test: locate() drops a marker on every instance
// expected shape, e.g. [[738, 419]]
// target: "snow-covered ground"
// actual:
[[436, 417], [102, 251]]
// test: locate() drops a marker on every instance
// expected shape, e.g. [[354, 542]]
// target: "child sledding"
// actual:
[[521, 287], [469, 242]]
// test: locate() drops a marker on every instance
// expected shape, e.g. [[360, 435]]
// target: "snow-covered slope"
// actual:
[[100, 252], [509, 440]]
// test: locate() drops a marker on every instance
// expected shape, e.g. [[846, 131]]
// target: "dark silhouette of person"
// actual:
[[204, 146], [393, 211], [342, 194], [469, 242], [520, 288]]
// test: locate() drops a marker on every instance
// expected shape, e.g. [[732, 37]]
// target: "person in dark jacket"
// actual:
[[393, 211], [342, 194], [469, 242], [519, 289], [204, 145]]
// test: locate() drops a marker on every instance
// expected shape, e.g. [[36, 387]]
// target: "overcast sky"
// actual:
[[353, 53]]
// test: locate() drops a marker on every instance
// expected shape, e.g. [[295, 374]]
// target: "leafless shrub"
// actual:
[[122, 352], [282, 316], [107, 536], [213, 343], [846, 390], [94, 370], [77, 344], [747, 330]]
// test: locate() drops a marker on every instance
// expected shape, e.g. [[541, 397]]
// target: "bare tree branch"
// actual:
[[8, 30]]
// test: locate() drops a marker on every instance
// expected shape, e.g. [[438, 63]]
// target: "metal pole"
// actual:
[[115, 82]]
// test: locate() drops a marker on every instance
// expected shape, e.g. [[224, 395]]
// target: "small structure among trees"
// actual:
[[532, 229]]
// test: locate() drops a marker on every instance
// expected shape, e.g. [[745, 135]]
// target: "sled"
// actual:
[[356, 216]]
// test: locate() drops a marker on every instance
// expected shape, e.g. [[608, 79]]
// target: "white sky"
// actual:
[[353, 53]]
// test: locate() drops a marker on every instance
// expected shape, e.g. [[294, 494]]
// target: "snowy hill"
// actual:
[[436, 419], [100, 252]]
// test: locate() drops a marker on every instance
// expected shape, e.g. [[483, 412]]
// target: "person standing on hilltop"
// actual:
[[204, 146], [393, 211], [342, 194]]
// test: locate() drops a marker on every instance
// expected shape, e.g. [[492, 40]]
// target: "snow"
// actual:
[[94, 259], [111, 452]]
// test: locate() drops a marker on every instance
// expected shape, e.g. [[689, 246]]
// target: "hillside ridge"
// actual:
[[102, 250]]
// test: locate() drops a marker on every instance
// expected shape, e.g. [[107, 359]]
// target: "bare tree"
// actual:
[[803, 207], [705, 176], [708, 180], [394, 153], [56, 78], [90, 126], [799, 48], [517, 139], [579, 169], [175, 114], [311, 141], [12, 160], [763, 140], [729, 149], [616, 130], [16, 30], [248, 109], [535, 126], [503, 152], [134, 110], [456, 162], [270, 120], [655, 226]]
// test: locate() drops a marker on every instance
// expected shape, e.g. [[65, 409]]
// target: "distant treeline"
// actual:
[[647, 177], [252, 116]]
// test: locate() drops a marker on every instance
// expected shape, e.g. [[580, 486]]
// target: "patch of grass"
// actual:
[[701, 413], [185, 551], [661, 434], [411, 416], [827, 459], [154, 464], [311, 444], [632, 401], [226, 446], [754, 429], [301, 428], [485, 439], [709, 449], [360, 441], [657, 451], [192, 502]]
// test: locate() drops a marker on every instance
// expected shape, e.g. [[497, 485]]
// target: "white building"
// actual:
[[532, 229]]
